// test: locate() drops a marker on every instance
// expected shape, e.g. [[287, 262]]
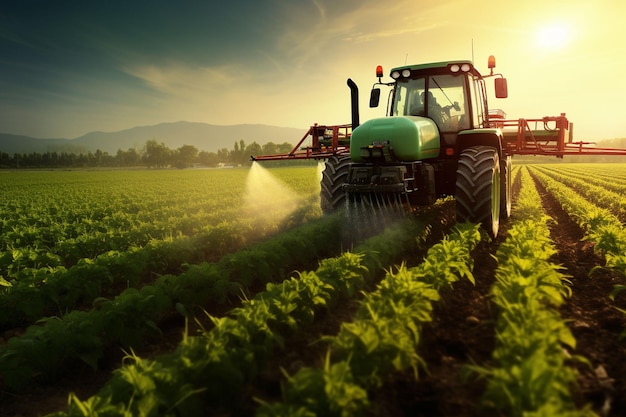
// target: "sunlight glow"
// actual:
[[553, 36]]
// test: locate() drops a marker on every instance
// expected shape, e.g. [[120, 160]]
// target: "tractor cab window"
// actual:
[[407, 98], [439, 97]]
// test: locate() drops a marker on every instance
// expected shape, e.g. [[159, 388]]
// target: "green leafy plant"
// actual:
[[531, 375], [383, 337]]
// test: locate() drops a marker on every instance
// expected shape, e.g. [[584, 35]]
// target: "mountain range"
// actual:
[[205, 137]]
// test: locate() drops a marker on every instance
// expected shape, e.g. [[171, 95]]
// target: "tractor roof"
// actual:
[[444, 66]]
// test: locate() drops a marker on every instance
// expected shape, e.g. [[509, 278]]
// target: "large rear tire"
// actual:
[[478, 188], [335, 174]]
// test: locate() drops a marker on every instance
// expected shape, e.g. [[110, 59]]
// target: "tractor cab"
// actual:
[[452, 94], [441, 98]]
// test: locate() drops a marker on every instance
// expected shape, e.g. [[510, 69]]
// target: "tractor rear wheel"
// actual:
[[478, 188], [335, 174]]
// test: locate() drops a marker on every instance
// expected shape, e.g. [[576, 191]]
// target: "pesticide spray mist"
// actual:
[[268, 201], [320, 168]]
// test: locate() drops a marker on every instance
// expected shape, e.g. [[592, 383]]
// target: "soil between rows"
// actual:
[[462, 332], [595, 322]]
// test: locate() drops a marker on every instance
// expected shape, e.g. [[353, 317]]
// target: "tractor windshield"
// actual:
[[439, 97]]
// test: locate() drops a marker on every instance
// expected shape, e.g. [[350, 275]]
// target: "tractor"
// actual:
[[438, 138], [436, 141]]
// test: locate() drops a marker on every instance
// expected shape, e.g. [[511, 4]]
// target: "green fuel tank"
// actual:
[[412, 138]]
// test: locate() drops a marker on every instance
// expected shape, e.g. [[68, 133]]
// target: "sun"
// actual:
[[553, 36]]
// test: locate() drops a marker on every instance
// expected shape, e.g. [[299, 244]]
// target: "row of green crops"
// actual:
[[209, 371], [609, 176], [531, 376], [45, 348], [77, 215], [383, 337], [601, 227], [67, 238], [595, 191], [45, 291], [599, 224], [614, 173]]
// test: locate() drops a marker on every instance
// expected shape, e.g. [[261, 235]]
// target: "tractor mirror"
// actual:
[[374, 97], [501, 88]]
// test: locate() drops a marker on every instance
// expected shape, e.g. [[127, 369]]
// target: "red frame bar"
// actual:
[[545, 136], [320, 148]]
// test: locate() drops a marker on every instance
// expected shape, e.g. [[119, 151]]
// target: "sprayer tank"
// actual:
[[412, 138]]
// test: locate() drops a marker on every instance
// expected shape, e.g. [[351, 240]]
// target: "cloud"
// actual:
[[9, 36], [321, 8], [180, 81], [332, 32]]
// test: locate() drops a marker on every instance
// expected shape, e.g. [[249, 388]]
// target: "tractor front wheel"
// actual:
[[335, 174], [478, 188]]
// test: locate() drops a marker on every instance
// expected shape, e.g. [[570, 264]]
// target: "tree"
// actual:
[[270, 148], [238, 155], [153, 154], [209, 159], [223, 155], [5, 159], [185, 156], [156, 154], [253, 149], [285, 147], [98, 156], [127, 158]]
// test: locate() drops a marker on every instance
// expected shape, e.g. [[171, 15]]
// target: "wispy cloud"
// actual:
[[327, 30], [8, 35], [181, 79]]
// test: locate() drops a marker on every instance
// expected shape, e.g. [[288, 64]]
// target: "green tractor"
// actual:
[[438, 139]]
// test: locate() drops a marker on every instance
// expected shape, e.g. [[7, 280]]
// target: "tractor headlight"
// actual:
[[406, 72], [454, 68], [395, 75]]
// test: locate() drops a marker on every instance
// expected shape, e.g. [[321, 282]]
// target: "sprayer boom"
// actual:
[[319, 142], [549, 136]]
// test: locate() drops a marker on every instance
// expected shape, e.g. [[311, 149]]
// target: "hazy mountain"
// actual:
[[24, 144], [205, 137]]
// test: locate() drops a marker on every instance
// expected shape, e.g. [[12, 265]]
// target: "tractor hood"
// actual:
[[409, 138]]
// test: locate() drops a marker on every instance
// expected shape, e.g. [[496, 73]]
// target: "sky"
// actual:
[[71, 67]]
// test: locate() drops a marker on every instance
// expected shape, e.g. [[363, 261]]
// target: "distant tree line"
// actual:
[[152, 155], [157, 155]]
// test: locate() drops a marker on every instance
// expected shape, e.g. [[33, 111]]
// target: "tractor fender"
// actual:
[[480, 137]]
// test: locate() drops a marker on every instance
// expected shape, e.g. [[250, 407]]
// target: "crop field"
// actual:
[[226, 292]]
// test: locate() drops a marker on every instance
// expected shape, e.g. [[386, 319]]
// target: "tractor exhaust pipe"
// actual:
[[354, 102]]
